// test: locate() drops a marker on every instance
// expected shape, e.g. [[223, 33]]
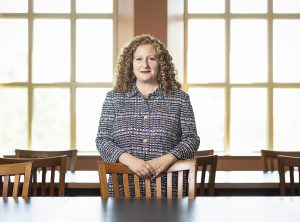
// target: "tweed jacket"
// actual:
[[147, 128]]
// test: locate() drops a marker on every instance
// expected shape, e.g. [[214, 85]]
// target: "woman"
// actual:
[[147, 121]]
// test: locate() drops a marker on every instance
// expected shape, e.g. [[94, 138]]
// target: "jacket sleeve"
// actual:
[[108, 150], [190, 140]]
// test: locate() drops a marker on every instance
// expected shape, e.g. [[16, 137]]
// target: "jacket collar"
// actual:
[[134, 91]]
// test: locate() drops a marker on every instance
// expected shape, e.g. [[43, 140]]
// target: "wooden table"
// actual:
[[203, 209]]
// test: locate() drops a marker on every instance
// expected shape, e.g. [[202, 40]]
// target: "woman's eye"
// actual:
[[138, 59]]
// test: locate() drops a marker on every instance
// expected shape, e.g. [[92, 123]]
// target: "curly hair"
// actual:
[[167, 75]]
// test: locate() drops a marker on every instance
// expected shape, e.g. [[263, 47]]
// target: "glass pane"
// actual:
[[286, 48], [206, 6], [249, 51], [208, 106], [13, 6], [206, 51], [13, 50], [49, 6], [51, 119], [286, 6], [13, 119], [248, 6], [87, 116], [248, 120], [286, 119], [51, 53], [96, 6], [94, 52]]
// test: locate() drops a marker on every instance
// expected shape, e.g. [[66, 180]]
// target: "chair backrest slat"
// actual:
[[180, 184], [207, 165], [148, 188], [137, 188], [52, 179], [289, 162], [115, 185], [6, 186], [158, 187], [126, 185], [169, 186], [178, 167]]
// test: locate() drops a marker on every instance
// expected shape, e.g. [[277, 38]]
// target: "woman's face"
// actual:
[[145, 64]]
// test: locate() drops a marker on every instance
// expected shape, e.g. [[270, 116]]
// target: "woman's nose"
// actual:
[[145, 62]]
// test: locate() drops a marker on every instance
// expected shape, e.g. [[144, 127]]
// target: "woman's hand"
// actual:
[[161, 164], [138, 166]]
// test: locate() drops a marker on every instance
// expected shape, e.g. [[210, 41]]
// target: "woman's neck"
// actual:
[[146, 88]]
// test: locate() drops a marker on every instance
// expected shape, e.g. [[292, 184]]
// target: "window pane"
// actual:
[[286, 119], [286, 48], [206, 6], [286, 6], [88, 114], [51, 119], [7, 6], [13, 50], [248, 55], [96, 6], [94, 50], [206, 51], [51, 53], [248, 120], [13, 119], [248, 6], [209, 115], [48, 6]]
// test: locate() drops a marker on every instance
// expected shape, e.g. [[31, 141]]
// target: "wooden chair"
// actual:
[[204, 153], [41, 167], [117, 168], [269, 158], [71, 154], [290, 163], [207, 164], [16, 170]]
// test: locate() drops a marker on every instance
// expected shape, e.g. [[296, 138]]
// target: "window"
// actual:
[[242, 73], [57, 60]]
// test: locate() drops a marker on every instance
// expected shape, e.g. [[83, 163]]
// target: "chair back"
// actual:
[[44, 171], [71, 155], [116, 169], [204, 153], [290, 163], [207, 164], [269, 158], [15, 170]]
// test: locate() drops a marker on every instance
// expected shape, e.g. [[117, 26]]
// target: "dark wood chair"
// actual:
[[207, 164], [116, 169], [269, 158], [290, 163], [41, 168], [71, 155], [204, 153], [16, 170]]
